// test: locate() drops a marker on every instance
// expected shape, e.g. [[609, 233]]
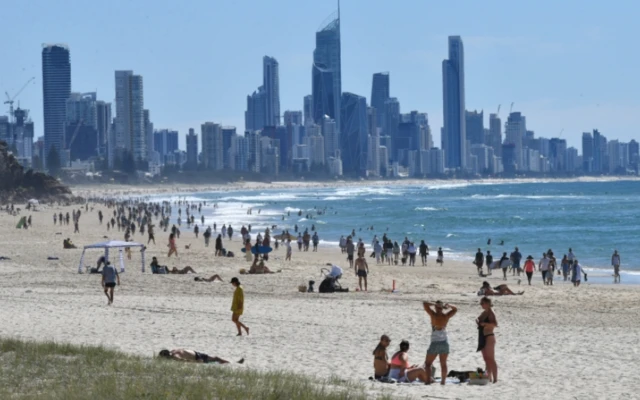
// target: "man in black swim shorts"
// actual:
[[362, 270]]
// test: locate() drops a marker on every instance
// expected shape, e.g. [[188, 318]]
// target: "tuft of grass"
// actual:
[[49, 370]]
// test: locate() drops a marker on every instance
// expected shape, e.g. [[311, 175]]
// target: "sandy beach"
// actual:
[[552, 342]]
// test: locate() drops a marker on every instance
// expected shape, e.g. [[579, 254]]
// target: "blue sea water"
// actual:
[[593, 218]]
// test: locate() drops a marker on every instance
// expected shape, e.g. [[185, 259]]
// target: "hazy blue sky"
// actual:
[[565, 64]]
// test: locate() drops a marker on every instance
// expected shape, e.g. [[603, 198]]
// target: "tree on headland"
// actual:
[[53, 161], [37, 163]]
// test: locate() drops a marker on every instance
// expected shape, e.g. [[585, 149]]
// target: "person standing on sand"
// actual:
[[577, 273], [516, 257], [615, 262], [543, 266], [172, 245], [504, 265], [487, 322], [351, 248], [529, 267], [237, 306], [424, 252], [488, 260], [439, 346], [479, 261], [362, 270], [109, 279], [289, 251], [377, 248], [412, 254]]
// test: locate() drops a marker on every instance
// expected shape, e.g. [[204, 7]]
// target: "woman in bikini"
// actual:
[[500, 290], [172, 245], [439, 346], [381, 359], [487, 322], [400, 369]]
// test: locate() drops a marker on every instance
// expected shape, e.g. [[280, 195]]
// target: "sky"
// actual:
[[569, 66]]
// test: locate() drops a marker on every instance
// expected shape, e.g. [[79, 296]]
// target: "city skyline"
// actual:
[[563, 92]]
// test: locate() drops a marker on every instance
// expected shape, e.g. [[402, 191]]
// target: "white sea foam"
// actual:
[[429, 209], [262, 197], [531, 197]]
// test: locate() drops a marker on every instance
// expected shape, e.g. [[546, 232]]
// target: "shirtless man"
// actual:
[[362, 269], [439, 346], [192, 356]]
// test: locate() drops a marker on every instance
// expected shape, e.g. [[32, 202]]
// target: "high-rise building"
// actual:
[[103, 113], [81, 126], [228, 135], [152, 153], [292, 117], [255, 117], [599, 152], [354, 134], [192, 149], [454, 105], [56, 88], [474, 125], [391, 121], [326, 72], [165, 142], [515, 132], [494, 139], [212, 152], [271, 84], [634, 154], [131, 134], [509, 158], [307, 108], [331, 138], [379, 95], [240, 151], [587, 152]]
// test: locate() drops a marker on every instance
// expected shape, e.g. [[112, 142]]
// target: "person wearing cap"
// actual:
[[529, 267], [615, 262], [237, 306], [439, 346], [381, 358]]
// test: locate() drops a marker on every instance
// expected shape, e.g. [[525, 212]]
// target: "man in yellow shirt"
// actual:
[[237, 306]]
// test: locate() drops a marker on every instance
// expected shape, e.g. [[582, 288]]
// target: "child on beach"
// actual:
[[440, 259]]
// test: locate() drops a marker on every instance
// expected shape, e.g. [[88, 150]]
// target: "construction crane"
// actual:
[[11, 99], [498, 112], [511, 108]]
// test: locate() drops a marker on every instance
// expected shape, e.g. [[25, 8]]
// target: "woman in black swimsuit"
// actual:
[[487, 322]]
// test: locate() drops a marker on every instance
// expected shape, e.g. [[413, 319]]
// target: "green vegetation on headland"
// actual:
[[31, 370]]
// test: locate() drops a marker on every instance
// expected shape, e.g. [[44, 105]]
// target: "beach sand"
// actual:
[[552, 342]]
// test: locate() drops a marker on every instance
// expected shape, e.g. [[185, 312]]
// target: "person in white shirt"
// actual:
[[571, 257], [377, 248], [412, 254], [336, 272], [615, 261], [543, 266], [288, 247]]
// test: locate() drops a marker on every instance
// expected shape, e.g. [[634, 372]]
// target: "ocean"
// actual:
[[593, 218]]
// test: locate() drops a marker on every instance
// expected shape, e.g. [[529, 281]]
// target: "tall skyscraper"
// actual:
[[81, 126], [131, 134], [103, 112], [228, 135], [192, 149], [391, 121], [165, 142], [587, 152], [474, 125], [212, 153], [326, 72], [307, 108], [379, 95], [494, 139], [56, 88], [354, 134], [454, 108], [271, 84], [515, 132], [255, 117]]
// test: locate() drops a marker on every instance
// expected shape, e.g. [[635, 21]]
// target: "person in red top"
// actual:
[[401, 371], [529, 267]]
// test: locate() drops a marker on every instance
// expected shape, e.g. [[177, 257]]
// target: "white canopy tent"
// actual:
[[112, 244]]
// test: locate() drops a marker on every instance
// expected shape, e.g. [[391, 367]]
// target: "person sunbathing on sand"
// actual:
[[500, 290], [259, 268], [192, 356], [212, 279], [182, 271]]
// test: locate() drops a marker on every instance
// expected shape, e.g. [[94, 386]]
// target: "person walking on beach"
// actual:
[[529, 267], [172, 245], [412, 254], [564, 264], [396, 252], [151, 235], [351, 248], [489, 260], [615, 262], [440, 259], [439, 346], [577, 273], [362, 270], [479, 261], [237, 306], [289, 251], [218, 246], [424, 252], [543, 266], [487, 322], [504, 265], [516, 257], [377, 249], [571, 257], [110, 278]]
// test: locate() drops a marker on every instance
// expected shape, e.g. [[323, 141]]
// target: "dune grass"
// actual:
[[33, 370]]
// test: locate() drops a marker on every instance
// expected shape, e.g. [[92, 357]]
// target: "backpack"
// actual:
[[327, 285]]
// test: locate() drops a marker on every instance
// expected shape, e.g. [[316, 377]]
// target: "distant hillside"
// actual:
[[16, 185]]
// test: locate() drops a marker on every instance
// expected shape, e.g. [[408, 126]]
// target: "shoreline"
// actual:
[[88, 190]]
